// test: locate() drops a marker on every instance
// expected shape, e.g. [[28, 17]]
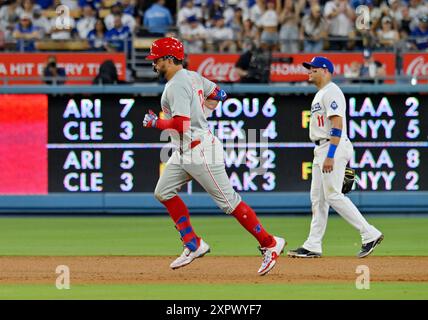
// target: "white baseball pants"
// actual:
[[205, 164], [326, 191]]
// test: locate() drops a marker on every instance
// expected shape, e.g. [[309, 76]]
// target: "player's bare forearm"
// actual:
[[336, 123], [335, 134], [211, 104]]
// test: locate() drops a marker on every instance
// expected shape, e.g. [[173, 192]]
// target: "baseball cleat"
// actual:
[[188, 256], [367, 248], [303, 253], [270, 255]]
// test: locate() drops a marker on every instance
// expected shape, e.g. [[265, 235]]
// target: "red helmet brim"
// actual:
[[151, 57]]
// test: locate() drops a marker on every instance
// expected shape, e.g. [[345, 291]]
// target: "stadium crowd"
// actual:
[[221, 25], [304, 25]]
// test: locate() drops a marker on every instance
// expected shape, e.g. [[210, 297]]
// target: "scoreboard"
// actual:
[[96, 143]]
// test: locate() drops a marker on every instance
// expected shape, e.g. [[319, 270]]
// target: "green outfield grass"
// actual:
[[157, 236], [319, 291], [404, 236]]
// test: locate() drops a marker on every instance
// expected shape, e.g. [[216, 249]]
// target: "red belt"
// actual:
[[193, 144]]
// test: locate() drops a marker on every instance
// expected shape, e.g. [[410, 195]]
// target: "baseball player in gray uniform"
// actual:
[[199, 155], [332, 152]]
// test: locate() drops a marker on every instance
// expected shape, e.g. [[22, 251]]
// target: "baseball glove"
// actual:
[[349, 180]]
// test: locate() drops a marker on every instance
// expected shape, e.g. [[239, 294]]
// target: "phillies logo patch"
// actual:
[[334, 105]]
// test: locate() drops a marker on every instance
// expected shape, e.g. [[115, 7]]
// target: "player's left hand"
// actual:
[[328, 165], [150, 120]]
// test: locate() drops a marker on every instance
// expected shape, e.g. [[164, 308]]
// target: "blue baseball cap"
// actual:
[[192, 19], [218, 17], [320, 62]]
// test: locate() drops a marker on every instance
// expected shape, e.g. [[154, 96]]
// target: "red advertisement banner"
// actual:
[[23, 138], [17, 66], [215, 67], [416, 65], [221, 67]]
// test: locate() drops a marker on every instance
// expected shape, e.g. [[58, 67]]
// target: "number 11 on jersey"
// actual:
[[320, 121]]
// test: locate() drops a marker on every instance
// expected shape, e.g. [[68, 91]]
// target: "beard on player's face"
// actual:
[[161, 72], [159, 67]]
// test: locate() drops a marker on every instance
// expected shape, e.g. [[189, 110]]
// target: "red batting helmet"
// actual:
[[166, 47]]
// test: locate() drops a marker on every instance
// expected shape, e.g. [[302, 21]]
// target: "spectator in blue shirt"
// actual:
[[251, 3], [356, 3], [129, 7], [420, 34], [211, 2], [97, 36], [158, 18], [44, 4], [93, 3], [26, 33], [118, 36]]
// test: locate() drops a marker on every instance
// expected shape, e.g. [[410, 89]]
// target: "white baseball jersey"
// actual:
[[184, 95], [328, 101]]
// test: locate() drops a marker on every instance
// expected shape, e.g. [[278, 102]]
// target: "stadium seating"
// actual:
[[231, 26]]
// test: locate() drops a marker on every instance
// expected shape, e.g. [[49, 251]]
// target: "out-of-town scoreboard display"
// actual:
[[96, 143]]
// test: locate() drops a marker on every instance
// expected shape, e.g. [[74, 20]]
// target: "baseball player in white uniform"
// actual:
[[332, 152], [199, 155]]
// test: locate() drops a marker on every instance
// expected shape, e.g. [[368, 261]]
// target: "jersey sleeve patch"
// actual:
[[334, 105]]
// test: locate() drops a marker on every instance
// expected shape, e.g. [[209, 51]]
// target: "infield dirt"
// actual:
[[223, 270]]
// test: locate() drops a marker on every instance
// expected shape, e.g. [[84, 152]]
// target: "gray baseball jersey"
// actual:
[[184, 95]]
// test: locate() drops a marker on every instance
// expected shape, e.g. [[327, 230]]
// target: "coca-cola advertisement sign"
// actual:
[[221, 67], [217, 67], [416, 65]]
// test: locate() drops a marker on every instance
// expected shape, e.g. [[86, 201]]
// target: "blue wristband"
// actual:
[[218, 94], [221, 95], [334, 132], [331, 151]]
